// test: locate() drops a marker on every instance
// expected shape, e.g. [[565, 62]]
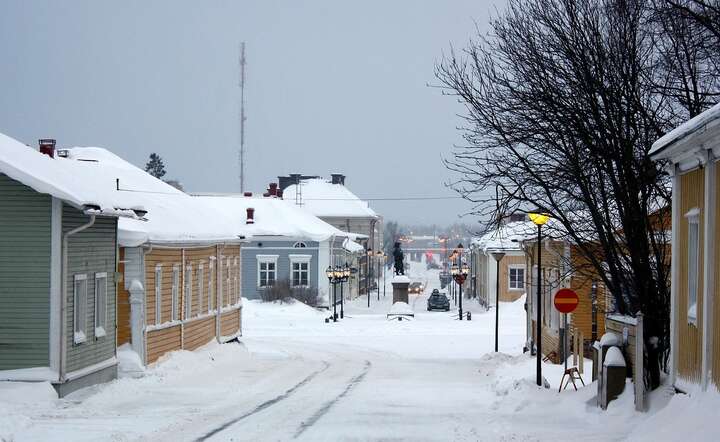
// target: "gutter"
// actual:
[[63, 303]]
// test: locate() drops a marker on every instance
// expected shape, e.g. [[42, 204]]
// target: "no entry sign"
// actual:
[[566, 301]]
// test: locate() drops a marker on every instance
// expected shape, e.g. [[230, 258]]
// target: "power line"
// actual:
[[401, 198]]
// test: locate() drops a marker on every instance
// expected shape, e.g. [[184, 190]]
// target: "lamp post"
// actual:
[[367, 275], [379, 255], [498, 257], [384, 273], [330, 273], [539, 219], [345, 278], [459, 272]]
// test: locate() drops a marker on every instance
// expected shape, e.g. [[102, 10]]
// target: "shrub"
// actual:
[[282, 292]]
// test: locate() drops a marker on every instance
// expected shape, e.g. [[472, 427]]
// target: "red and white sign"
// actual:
[[566, 301]]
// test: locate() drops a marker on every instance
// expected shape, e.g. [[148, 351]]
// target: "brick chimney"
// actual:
[[338, 178], [250, 216], [47, 147], [273, 189]]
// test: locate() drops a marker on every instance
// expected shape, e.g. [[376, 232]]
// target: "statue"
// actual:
[[399, 257]]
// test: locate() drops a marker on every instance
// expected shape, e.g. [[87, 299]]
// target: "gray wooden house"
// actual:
[[58, 261]]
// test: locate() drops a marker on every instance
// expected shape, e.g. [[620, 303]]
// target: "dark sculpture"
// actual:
[[399, 257]]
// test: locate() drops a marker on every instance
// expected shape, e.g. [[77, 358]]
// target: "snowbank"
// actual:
[[19, 401], [323, 198]]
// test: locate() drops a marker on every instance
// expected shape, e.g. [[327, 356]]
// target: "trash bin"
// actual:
[[613, 375], [607, 340]]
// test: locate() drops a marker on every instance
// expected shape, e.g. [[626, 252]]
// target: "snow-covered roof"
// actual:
[[685, 129], [73, 182], [173, 216], [323, 198], [274, 217], [506, 237]]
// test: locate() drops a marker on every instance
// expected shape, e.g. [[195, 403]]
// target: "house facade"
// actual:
[[58, 242], [691, 152], [179, 268], [332, 202]]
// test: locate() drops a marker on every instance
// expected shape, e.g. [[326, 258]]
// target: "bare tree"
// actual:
[[562, 110]]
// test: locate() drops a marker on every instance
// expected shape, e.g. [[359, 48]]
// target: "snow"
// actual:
[[324, 199], [29, 374], [610, 339], [294, 376], [625, 319], [274, 217], [685, 129], [614, 358], [401, 308], [506, 237], [173, 216], [401, 279], [74, 182]]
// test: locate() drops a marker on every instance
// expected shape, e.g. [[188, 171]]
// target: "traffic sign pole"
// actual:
[[566, 301]]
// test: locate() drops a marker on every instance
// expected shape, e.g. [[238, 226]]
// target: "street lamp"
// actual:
[[367, 275], [459, 272], [345, 277], [379, 255], [330, 273], [498, 257], [539, 219]]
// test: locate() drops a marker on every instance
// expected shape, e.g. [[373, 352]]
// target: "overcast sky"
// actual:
[[331, 87]]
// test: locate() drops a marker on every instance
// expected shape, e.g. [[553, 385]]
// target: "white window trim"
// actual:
[[79, 336], [236, 293], [200, 286], [175, 310], [100, 330], [188, 290], [300, 259], [693, 218], [158, 294], [266, 259], [211, 295], [516, 267]]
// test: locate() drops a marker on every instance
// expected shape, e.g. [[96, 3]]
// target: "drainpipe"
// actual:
[[63, 302]]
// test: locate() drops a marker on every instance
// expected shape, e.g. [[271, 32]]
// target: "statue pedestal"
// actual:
[[400, 284]]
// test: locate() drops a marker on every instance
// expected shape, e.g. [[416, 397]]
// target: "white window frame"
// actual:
[[188, 290], [299, 245], [211, 283], [236, 293], [200, 285], [693, 263], [80, 301], [265, 259], [510, 280], [300, 259], [175, 314], [100, 316], [158, 294]]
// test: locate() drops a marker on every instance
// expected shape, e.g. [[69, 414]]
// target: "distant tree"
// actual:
[[390, 235], [156, 166], [176, 184]]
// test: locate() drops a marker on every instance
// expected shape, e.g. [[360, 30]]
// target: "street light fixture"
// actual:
[[459, 271], [498, 257], [367, 275], [330, 273], [380, 254], [539, 219]]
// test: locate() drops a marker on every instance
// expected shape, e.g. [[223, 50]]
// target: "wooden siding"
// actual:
[[162, 341], [689, 336], [507, 295], [198, 332], [123, 305], [550, 342], [90, 251], [230, 322], [167, 259], [25, 217], [581, 319]]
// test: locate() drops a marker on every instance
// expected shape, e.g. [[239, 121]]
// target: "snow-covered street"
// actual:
[[293, 376]]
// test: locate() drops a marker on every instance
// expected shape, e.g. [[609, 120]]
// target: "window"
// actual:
[[158, 294], [176, 293], [516, 279], [299, 270], [228, 283], [200, 285], [211, 285], [79, 308], [267, 270], [693, 264], [237, 280], [299, 245], [100, 304], [188, 290]]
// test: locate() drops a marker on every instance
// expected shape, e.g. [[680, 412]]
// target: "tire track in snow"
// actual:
[[328, 405], [265, 404]]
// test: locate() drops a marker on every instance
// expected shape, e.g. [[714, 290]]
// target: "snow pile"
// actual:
[[401, 279], [614, 358], [274, 217], [323, 198], [129, 362], [18, 401], [610, 339], [506, 237], [401, 308]]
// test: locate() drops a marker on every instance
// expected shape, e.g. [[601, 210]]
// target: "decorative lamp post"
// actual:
[[460, 272], [330, 273], [539, 219], [367, 275], [498, 257], [345, 272], [379, 255]]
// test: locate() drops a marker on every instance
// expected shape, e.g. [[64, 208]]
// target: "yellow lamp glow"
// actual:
[[539, 218]]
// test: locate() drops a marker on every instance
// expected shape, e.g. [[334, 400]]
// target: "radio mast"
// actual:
[[242, 116]]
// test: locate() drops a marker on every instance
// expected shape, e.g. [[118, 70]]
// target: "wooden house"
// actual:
[[288, 244], [180, 279], [58, 272], [563, 266], [691, 152]]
